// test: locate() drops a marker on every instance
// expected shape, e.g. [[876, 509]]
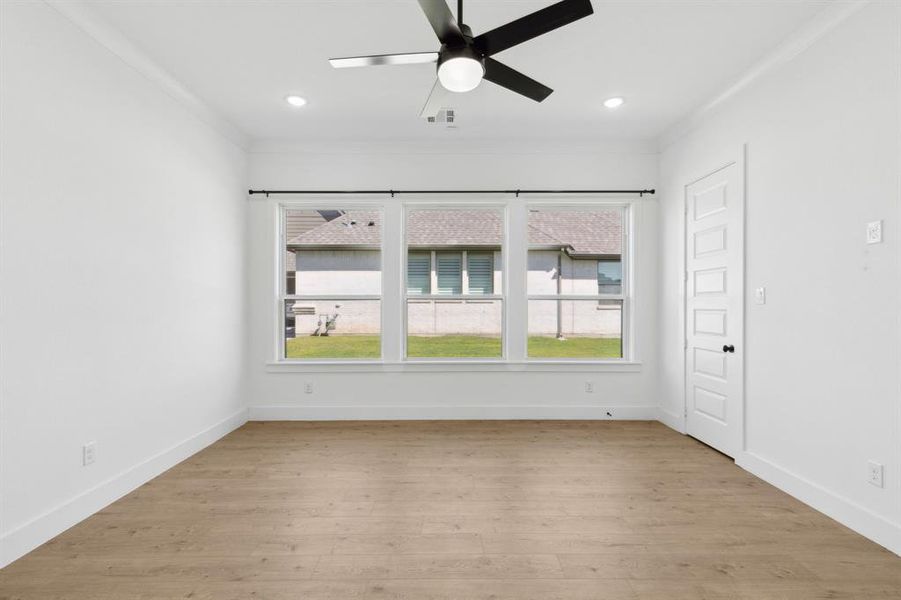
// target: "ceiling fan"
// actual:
[[463, 60]]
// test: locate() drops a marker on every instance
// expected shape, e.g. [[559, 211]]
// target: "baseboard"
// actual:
[[32, 534], [444, 412], [671, 419], [848, 513]]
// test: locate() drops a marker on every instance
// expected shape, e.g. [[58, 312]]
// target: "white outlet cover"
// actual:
[[89, 453], [874, 232], [876, 473], [760, 295], [308, 388]]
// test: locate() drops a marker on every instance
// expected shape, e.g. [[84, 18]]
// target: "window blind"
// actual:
[[481, 273], [418, 274], [450, 273]]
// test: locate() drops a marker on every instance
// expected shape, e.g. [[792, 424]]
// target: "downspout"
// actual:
[[559, 291]]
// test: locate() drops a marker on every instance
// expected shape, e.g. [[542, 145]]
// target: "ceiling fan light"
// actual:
[[460, 74]]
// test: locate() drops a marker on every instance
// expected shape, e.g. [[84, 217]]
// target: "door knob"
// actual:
[[729, 348]]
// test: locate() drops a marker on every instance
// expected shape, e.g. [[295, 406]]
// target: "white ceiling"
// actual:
[[243, 56]]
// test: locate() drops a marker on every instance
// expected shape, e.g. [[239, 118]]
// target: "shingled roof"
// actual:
[[591, 233]]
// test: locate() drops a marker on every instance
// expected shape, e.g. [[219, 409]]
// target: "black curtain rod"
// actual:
[[393, 192]]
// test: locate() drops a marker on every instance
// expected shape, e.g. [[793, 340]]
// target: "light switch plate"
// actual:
[[874, 232], [760, 295]]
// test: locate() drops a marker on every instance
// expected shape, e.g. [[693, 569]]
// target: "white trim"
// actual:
[[426, 365], [369, 412], [94, 26], [48, 525], [454, 147], [673, 420], [847, 512], [800, 40]]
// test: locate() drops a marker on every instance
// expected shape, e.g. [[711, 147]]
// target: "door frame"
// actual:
[[737, 156]]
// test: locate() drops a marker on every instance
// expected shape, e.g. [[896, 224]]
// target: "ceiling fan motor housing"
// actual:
[[446, 53]]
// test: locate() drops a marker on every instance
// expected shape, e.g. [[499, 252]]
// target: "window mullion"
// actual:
[[393, 270], [516, 258]]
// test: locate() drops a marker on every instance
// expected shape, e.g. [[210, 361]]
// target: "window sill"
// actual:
[[437, 366]]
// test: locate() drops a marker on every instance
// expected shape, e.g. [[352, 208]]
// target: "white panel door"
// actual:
[[714, 213]]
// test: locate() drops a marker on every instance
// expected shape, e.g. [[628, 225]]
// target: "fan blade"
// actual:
[[412, 58], [531, 26], [442, 21], [513, 80], [434, 101]]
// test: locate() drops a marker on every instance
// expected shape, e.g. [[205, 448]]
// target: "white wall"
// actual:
[[822, 356], [279, 393], [122, 225]]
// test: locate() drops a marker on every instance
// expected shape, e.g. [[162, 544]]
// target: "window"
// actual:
[[459, 315], [480, 271], [331, 290], [419, 274], [450, 273], [575, 283], [445, 291], [610, 276]]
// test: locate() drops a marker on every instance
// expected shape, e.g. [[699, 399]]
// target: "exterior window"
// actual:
[[332, 285], [575, 268], [610, 276], [459, 315], [419, 274], [450, 273], [480, 273], [447, 296]]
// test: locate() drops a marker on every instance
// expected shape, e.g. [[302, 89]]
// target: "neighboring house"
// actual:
[[458, 253]]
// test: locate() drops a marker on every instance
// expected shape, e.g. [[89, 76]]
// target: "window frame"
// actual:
[[393, 277], [625, 296], [283, 297], [411, 206]]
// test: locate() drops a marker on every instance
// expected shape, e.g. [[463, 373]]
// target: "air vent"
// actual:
[[446, 117]]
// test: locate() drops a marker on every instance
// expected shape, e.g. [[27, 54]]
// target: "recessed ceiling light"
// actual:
[[613, 102], [295, 100]]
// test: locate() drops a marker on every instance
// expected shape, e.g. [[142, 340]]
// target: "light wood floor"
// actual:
[[456, 510]]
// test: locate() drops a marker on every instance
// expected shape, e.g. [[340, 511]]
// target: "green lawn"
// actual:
[[450, 346], [576, 347], [453, 346], [334, 346]]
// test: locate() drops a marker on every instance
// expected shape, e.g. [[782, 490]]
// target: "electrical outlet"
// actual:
[[89, 453], [308, 388], [876, 471], [589, 387], [874, 232]]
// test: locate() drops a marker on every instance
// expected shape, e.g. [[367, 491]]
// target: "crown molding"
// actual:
[[456, 147], [91, 24], [800, 40]]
